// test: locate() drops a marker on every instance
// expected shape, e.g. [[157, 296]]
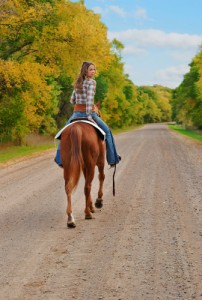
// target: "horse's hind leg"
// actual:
[[89, 175], [70, 218], [101, 176]]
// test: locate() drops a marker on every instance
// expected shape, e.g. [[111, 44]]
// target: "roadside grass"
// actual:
[[126, 128], [15, 152], [11, 152], [189, 133]]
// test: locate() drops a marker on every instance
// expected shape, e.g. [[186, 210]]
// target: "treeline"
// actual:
[[187, 98], [42, 46]]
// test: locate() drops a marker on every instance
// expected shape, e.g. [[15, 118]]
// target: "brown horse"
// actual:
[[81, 150]]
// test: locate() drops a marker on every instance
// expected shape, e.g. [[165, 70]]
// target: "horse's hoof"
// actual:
[[99, 203], [71, 225], [92, 210], [88, 217]]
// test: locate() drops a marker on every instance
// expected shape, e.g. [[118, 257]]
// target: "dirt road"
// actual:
[[144, 244]]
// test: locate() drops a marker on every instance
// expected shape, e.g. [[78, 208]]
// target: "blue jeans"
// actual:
[[112, 155]]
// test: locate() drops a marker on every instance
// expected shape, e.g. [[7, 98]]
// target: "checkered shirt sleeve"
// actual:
[[90, 91]]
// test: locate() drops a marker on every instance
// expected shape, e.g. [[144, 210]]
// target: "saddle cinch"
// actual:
[[82, 120]]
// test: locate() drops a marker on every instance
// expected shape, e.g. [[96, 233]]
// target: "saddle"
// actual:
[[79, 119], [100, 132]]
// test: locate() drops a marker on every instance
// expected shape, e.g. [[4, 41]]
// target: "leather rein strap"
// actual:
[[114, 180]]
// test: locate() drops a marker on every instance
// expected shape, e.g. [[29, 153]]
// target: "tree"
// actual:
[[156, 103], [45, 42], [28, 99], [187, 98]]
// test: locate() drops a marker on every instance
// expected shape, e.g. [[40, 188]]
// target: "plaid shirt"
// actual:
[[87, 97]]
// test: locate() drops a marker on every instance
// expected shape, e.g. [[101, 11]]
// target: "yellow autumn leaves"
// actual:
[[39, 42], [42, 46]]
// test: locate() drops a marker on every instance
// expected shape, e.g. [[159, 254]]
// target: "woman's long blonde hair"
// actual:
[[79, 81]]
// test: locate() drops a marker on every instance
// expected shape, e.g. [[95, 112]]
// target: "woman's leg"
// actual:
[[112, 155], [58, 159]]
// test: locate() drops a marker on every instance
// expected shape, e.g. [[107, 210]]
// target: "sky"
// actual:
[[160, 37]]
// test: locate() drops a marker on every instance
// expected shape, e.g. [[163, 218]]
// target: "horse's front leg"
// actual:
[[70, 217], [101, 176]]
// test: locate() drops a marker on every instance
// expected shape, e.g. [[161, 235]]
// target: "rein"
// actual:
[[114, 180]]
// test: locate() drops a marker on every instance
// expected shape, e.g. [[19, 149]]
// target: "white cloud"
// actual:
[[171, 76], [112, 8], [100, 10], [153, 51], [172, 71], [141, 13], [157, 38], [185, 55], [128, 50], [118, 10], [148, 53]]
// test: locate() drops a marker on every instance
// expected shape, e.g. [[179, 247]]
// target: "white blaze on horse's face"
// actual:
[[91, 71]]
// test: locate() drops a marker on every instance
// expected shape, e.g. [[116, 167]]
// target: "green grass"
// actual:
[[190, 133], [124, 129], [14, 152]]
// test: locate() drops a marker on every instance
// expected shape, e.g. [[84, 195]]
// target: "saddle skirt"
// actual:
[[99, 130]]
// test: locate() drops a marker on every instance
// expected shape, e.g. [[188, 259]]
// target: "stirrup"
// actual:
[[112, 166]]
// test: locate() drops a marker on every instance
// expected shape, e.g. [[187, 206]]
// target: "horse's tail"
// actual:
[[76, 157]]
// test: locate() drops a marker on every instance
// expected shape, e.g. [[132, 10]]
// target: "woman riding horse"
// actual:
[[83, 100]]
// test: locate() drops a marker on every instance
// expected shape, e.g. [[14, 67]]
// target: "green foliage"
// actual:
[[64, 107], [28, 99], [156, 103], [187, 98], [101, 87]]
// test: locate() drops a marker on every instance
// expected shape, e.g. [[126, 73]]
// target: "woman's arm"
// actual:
[[90, 98], [73, 98]]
